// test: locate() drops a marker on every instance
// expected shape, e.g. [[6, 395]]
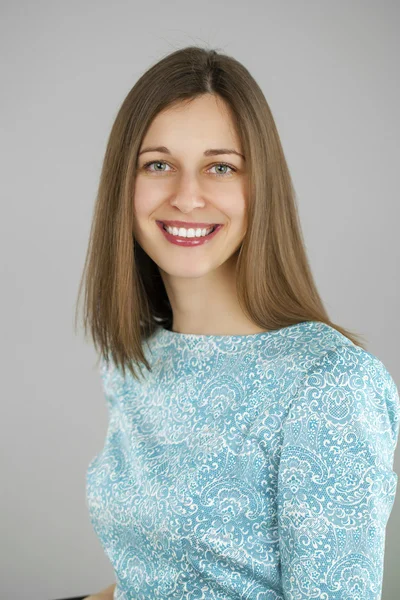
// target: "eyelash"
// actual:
[[215, 165]]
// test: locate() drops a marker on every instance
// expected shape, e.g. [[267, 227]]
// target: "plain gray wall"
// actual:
[[329, 71]]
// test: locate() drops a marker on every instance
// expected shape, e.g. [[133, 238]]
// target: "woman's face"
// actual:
[[186, 184]]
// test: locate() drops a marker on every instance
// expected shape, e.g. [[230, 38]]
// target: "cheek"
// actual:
[[234, 207], [144, 200]]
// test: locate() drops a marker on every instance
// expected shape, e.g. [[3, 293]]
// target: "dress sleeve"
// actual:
[[336, 484]]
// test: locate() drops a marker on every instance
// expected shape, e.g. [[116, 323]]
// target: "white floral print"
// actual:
[[255, 467]]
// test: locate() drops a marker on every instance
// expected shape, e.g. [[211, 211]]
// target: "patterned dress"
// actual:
[[255, 467]]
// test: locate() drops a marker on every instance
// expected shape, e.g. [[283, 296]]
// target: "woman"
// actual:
[[253, 458]]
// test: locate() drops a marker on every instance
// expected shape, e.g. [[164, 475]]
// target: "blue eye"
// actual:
[[154, 162], [224, 165], [162, 162]]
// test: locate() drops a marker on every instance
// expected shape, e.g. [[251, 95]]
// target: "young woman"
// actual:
[[253, 458]]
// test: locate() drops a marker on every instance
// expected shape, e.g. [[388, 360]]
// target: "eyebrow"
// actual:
[[210, 152]]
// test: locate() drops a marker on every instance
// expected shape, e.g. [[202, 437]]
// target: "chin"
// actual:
[[188, 271]]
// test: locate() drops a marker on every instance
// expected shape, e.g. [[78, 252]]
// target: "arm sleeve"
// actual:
[[336, 484]]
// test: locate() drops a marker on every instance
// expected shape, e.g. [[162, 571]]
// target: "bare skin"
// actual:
[[184, 184], [106, 594]]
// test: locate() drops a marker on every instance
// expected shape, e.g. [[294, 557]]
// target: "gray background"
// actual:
[[329, 71]]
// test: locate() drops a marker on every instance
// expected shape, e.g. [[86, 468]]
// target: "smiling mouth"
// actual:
[[189, 241], [213, 228]]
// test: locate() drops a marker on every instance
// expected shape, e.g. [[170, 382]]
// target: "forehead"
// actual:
[[204, 120]]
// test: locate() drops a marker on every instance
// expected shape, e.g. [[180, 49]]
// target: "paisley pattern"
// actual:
[[255, 467]]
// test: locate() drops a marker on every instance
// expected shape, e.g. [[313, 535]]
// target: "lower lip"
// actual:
[[189, 242]]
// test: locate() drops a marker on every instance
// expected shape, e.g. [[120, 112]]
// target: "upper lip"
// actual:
[[186, 224]]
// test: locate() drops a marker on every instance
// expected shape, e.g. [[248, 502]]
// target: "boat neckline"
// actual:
[[175, 335]]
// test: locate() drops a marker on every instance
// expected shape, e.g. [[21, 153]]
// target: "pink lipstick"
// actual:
[[188, 241]]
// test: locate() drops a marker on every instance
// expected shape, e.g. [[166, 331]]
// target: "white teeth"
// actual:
[[182, 232]]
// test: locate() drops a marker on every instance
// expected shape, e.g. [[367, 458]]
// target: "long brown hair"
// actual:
[[125, 298]]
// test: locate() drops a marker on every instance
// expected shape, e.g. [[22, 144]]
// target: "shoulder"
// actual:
[[301, 346], [322, 350], [113, 382], [352, 369], [348, 389]]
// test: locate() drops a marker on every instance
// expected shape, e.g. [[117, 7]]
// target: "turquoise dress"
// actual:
[[255, 467]]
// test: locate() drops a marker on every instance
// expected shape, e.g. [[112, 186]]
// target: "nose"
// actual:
[[188, 194]]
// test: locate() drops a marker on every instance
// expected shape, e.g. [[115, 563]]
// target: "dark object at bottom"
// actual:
[[74, 598]]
